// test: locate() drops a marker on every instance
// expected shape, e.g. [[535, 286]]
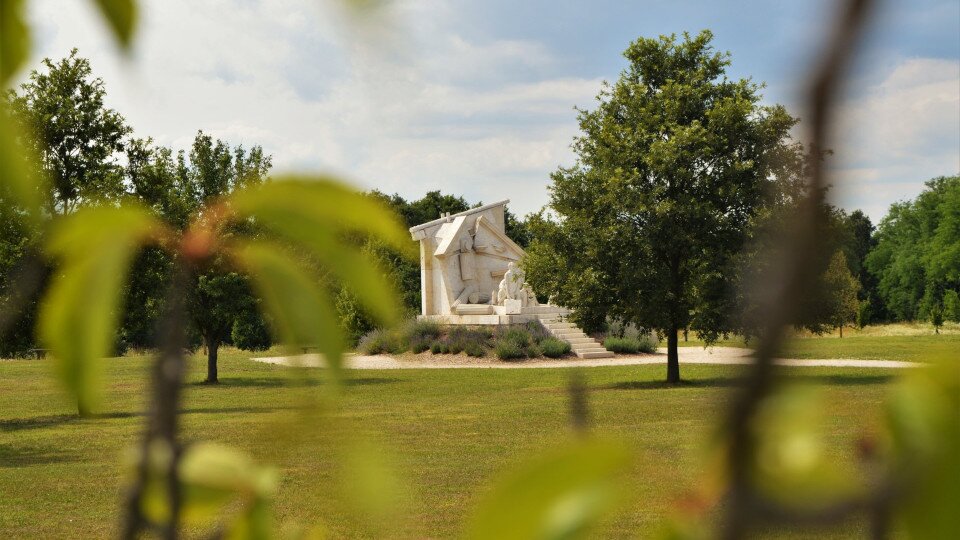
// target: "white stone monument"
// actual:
[[468, 271]]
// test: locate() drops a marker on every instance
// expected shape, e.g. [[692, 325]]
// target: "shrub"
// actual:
[[631, 345], [421, 329], [475, 349], [250, 332], [438, 347], [554, 348], [647, 344], [380, 341], [508, 350], [516, 334], [462, 338], [622, 345], [418, 344], [518, 338], [536, 331], [455, 346]]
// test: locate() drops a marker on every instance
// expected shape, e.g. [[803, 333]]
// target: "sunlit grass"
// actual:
[[913, 342], [447, 431]]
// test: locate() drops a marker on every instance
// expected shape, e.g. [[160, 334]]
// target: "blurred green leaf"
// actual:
[[214, 475], [18, 179], [321, 203], [315, 214], [254, 524], [14, 39], [924, 421], [558, 495], [372, 485], [78, 317], [792, 465], [302, 311], [121, 16]]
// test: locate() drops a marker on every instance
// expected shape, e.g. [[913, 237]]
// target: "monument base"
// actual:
[[495, 316]]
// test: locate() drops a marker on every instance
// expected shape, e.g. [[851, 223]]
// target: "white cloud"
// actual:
[[406, 106], [899, 133], [404, 101]]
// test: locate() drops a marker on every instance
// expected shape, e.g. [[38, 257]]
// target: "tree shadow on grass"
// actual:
[[844, 380], [227, 410], [291, 382], [712, 382], [733, 382], [23, 456], [56, 420], [17, 424]]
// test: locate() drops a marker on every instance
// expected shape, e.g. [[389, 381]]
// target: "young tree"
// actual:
[[672, 166], [838, 291], [178, 188], [77, 138]]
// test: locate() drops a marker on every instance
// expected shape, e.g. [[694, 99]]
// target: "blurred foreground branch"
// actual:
[[782, 295], [160, 448]]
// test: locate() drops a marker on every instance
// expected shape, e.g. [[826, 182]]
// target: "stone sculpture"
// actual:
[[513, 286], [469, 271]]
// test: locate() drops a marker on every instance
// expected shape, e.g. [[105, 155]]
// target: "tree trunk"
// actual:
[[83, 410], [673, 358], [841, 331], [685, 336], [212, 346]]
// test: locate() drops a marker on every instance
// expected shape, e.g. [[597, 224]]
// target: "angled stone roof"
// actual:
[[451, 217]]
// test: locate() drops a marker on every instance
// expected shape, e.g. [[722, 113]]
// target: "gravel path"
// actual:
[[688, 355]]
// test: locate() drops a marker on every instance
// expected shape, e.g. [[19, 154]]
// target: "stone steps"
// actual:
[[581, 344]]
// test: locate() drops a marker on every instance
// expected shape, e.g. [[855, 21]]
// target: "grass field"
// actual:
[[914, 342], [448, 431]]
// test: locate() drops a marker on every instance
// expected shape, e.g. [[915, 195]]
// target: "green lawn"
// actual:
[[448, 430], [909, 342]]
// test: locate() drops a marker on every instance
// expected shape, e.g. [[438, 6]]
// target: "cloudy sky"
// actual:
[[476, 98]]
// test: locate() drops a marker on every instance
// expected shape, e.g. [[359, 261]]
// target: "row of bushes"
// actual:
[[530, 340], [630, 345]]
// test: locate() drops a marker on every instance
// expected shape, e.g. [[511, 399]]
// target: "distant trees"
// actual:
[[78, 143], [916, 260], [78, 139], [86, 151], [672, 168]]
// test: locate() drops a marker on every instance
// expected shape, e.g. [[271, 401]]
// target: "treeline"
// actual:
[[679, 210], [91, 156], [905, 269]]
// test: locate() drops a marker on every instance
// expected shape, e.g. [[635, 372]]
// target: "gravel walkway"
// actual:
[[688, 355]]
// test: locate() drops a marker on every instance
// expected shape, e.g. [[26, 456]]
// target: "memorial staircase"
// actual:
[[581, 344]]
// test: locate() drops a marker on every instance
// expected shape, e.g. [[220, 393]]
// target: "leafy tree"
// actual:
[[177, 188], [76, 142], [916, 261], [220, 299], [837, 292], [222, 296], [673, 164], [516, 228], [17, 245], [77, 138], [251, 332], [951, 306]]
